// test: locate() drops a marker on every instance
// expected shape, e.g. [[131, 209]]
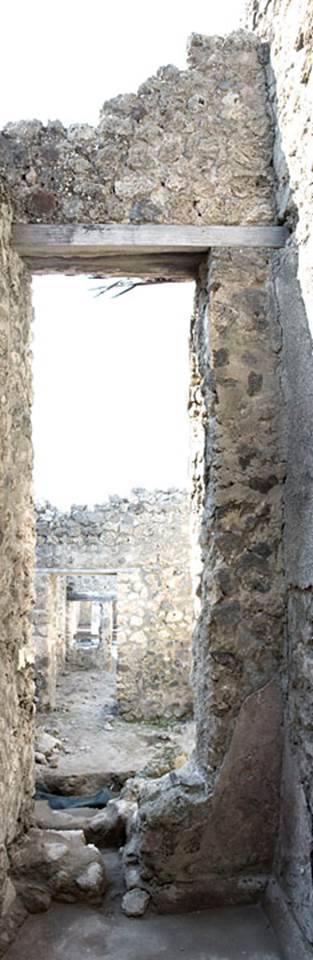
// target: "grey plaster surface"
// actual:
[[85, 933], [297, 382]]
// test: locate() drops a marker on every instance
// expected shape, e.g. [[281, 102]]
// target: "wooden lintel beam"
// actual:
[[170, 266], [65, 571], [138, 249]]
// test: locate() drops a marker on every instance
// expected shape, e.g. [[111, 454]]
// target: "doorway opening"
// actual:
[[114, 612]]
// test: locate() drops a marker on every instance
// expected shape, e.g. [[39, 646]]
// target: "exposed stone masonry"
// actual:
[[191, 146], [16, 562], [207, 834], [289, 28], [237, 340], [196, 147], [91, 584], [154, 633]]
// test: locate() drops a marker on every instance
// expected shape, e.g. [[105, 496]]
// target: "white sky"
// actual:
[[63, 58], [111, 382], [110, 376]]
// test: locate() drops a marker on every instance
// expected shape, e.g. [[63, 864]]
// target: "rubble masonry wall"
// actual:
[[194, 147], [206, 835], [289, 28], [16, 561]]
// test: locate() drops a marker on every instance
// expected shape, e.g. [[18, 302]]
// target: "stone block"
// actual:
[[135, 903], [59, 864]]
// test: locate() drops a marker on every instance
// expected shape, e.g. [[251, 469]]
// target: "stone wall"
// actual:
[[92, 585], [289, 28], [72, 618], [191, 146], [206, 835], [196, 147], [154, 639], [237, 340], [16, 563], [146, 540]]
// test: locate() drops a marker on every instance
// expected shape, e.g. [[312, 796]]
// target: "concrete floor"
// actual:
[[79, 932]]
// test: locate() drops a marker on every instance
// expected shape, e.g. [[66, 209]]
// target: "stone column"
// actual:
[[106, 633], [236, 341], [61, 619], [72, 619], [46, 638]]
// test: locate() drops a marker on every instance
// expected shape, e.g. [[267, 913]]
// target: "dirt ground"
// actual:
[[96, 747]]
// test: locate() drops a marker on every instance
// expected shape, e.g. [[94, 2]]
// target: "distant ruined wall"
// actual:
[[288, 25], [146, 539], [91, 584], [154, 639], [16, 563]]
